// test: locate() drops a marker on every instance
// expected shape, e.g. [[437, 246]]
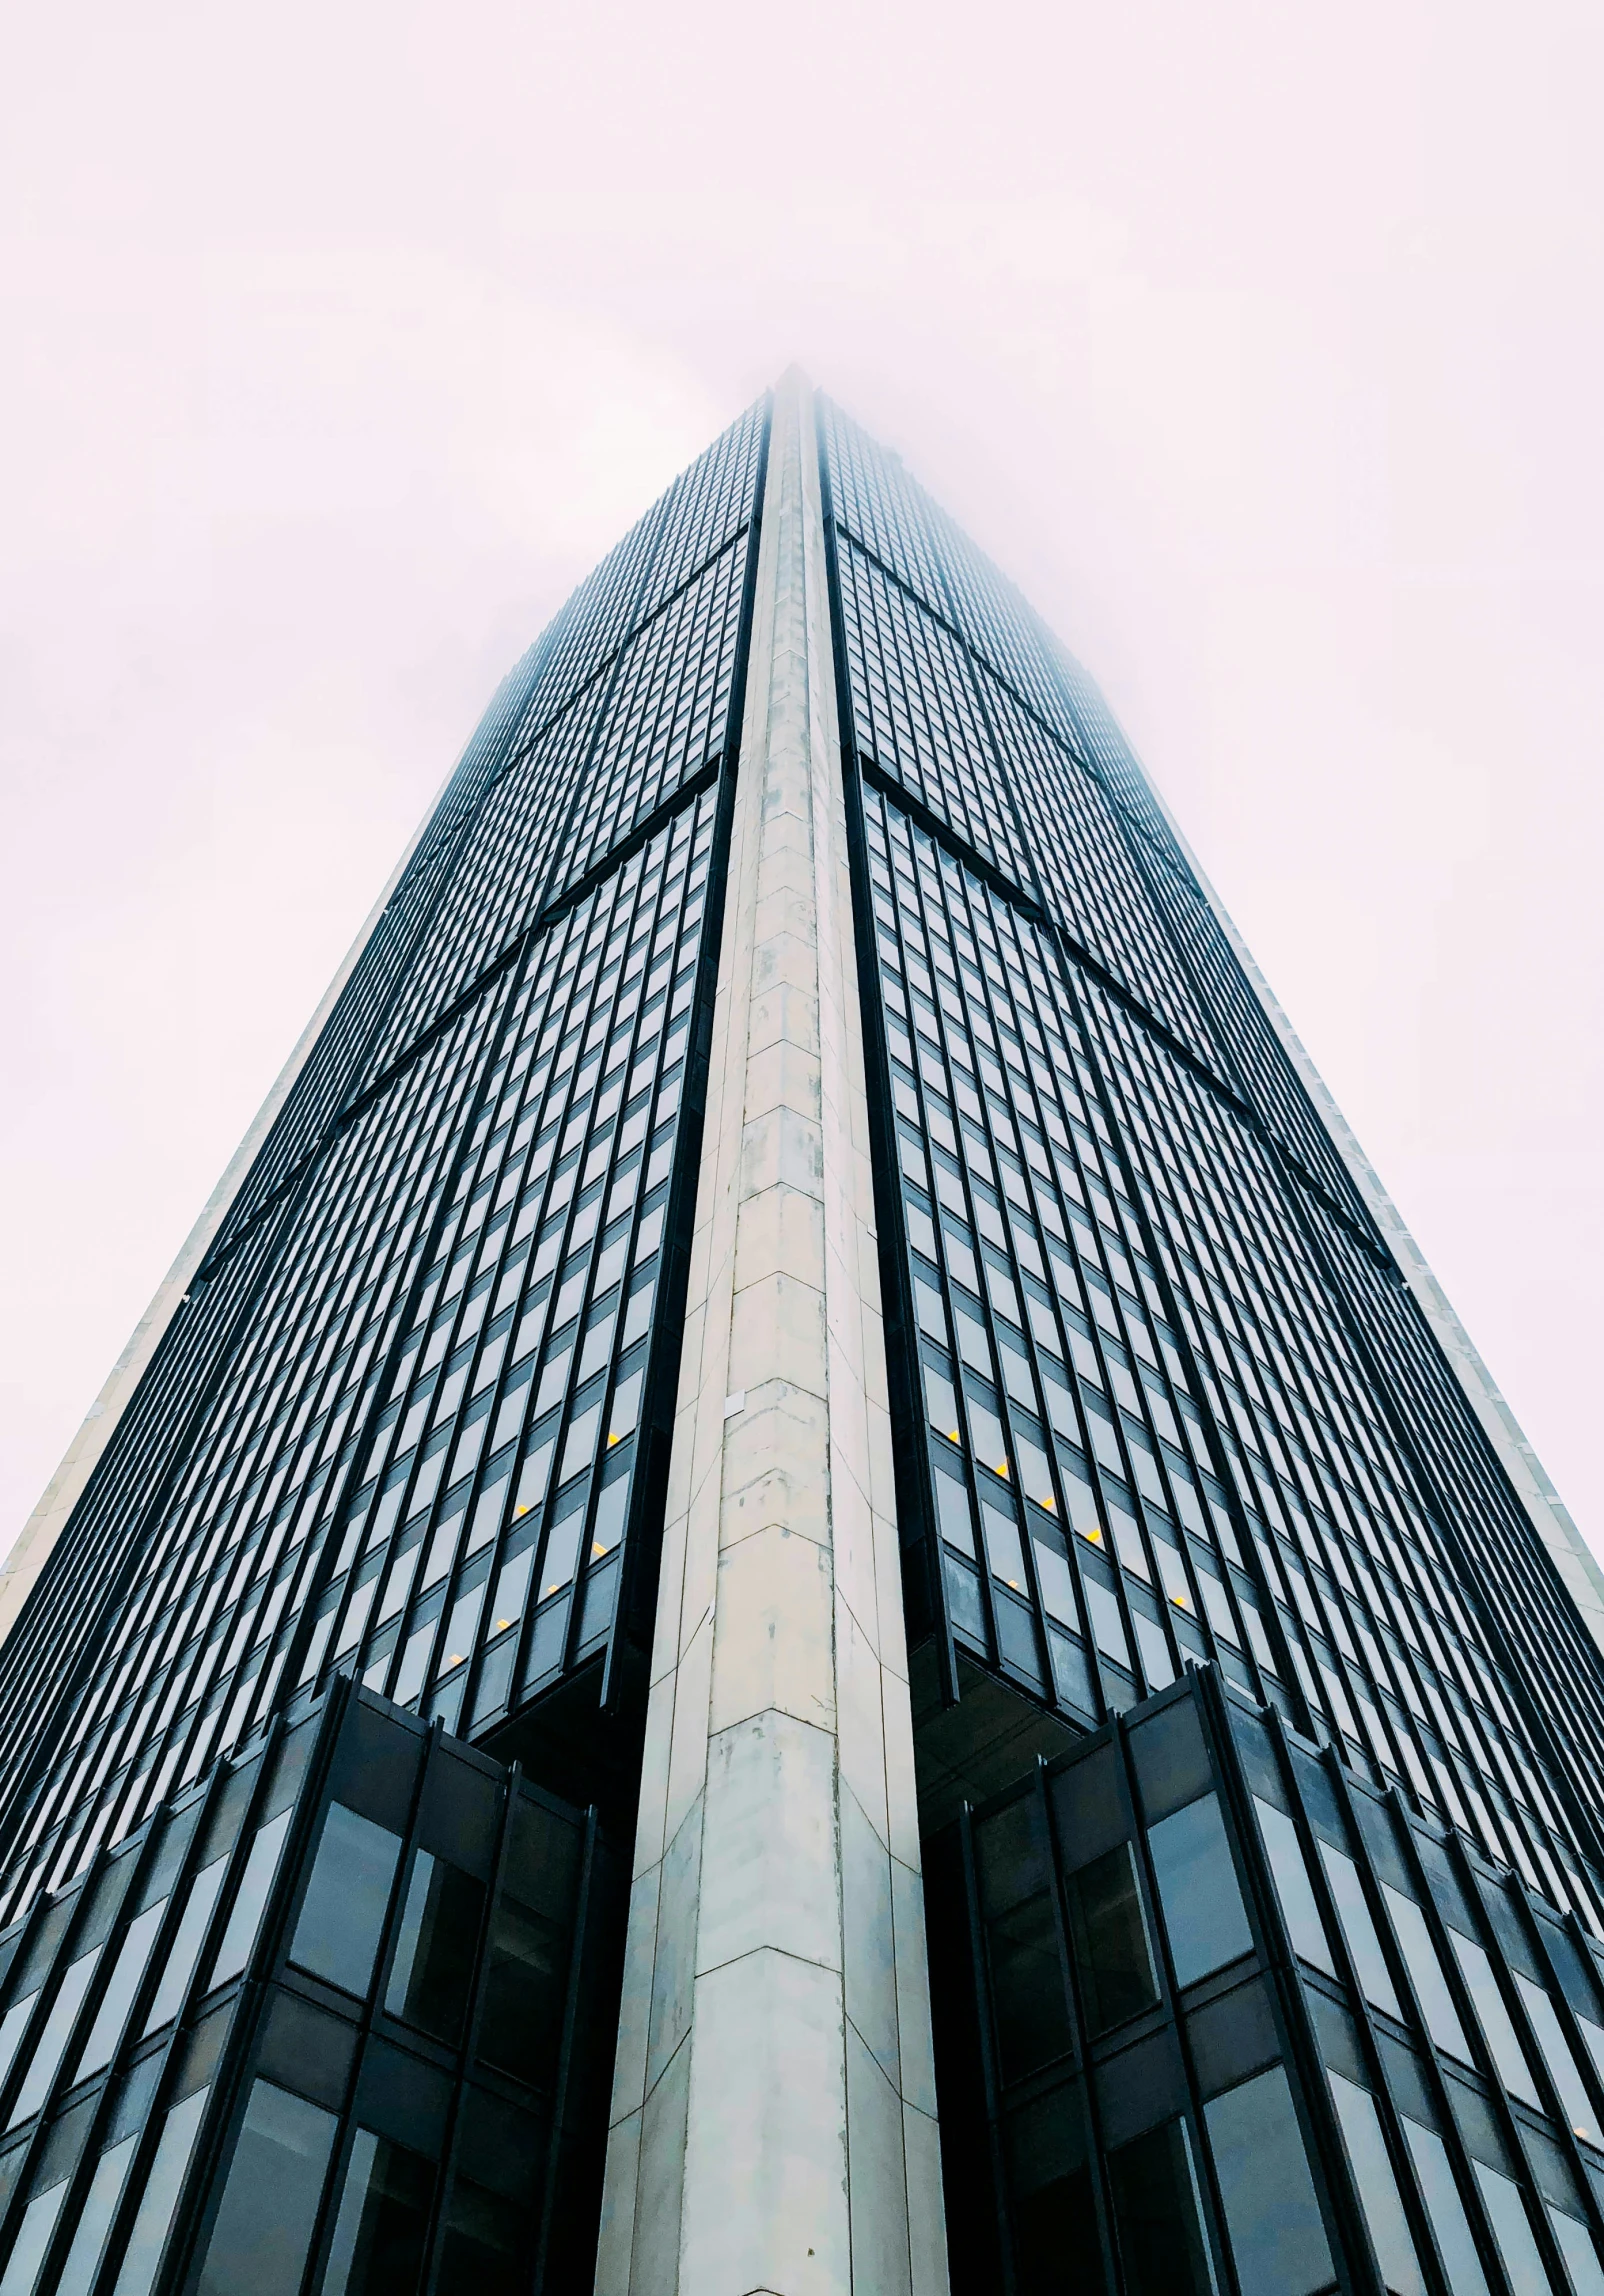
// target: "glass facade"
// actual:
[[1213, 2011], [1167, 1408], [325, 2020], [413, 1413], [1259, 1747]]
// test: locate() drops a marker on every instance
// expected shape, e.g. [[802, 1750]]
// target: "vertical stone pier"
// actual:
[[773, 2121]]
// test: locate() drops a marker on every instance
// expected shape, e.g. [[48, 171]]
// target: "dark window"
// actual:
[[1022, 1953], [432, 1973], [480, 2244], [1197, 1887], [527, 1978], [264, 2223], [383, 2222], [1054, 2216], [1111, 1951], [1156, 2216], [1027, 1986], [342, 1914]]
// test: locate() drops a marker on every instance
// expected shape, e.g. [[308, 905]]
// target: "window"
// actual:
[[1197, 1887], [342, 1913], [1517, 2243], [1051, 2205], [1581, 2258], [1293, 1887], [155, 2213], [52, 2042], [1112, 1958], [1557, 2055], [121, 1987], [1425, 1971], [187, 1942], [432, 1973], [1156, 2215], [379, 2234], [1507, 2053], [479, 2243], [255, 1882], [32, 2239], [1377, 2188], [264, 2222], [1271, 2213], [1359, 1930], [94, 2218], [1455, 2239], [527, 1974]]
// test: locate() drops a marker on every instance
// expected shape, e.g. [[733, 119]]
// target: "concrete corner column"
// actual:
[[773, 2120]]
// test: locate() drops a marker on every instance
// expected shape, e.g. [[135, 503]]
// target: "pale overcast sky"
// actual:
[[1262, 345]]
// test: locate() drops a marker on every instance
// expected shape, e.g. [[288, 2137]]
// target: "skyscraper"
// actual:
[[800, 1359]]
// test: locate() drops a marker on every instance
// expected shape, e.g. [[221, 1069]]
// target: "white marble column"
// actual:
[[773, 2121]]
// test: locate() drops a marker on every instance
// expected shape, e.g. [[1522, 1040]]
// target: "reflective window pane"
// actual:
[[33, 2238], [184, 1951], [1271, 2213], [94, 2220], [52, 2042], [1508, 2055], [379, 2234], [1544, 2021], [1197, 1886], [1293, 1887], [342, 1914], [121, 1987], [260, 1866], [1450, 2225], [1517, 2243], [1581, 2257], [264, 2222], [1359, 1930], [1425, 1972], [1378, 2189], [143, 2254]]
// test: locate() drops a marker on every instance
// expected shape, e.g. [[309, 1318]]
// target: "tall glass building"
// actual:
[[800, 1587]]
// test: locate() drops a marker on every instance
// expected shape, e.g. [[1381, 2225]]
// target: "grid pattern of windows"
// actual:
[[1110, 2035], [1165, 1396], [1085, 839], [1460, 2023], [408, 1422], [1392, 2055], [391, 2096], [491, 856]]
